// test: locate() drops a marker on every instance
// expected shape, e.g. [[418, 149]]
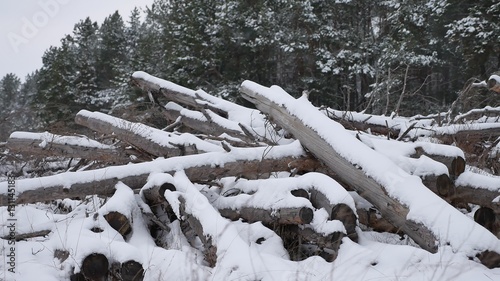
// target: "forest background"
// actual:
[[401, 57]]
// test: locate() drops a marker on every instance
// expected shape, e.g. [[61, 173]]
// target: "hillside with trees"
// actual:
[[158, 146]]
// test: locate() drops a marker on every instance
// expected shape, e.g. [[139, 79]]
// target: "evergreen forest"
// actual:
[[400, 57]]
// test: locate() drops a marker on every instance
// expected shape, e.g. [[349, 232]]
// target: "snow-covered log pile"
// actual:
[[281, 192]]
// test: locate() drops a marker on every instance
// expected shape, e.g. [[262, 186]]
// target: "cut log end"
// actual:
[[132, 271], [489, 259], [457, 166], [95, 267], [119, 222], [486, 217], [444, 186], [346, 215]]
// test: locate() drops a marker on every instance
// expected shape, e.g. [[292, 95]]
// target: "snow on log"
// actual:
[[131, 271], [251, 121], [408, 155], [401, 198], [475, 114], [317, 191], [151, 140], [381, 125], [47, 144], [207, 122], [299, 215], [243, 162], [466, 133], [494, 83], [95, 267], [478, 189]]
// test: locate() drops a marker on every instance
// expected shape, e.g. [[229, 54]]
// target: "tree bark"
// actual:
[[302, 215], [204, 124], [103, 181], [119, 222], [150, 140], [40, 148], [370, 189]]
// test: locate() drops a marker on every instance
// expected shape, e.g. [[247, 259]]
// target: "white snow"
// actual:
[[252, 251], [445, 222], [47, 137]]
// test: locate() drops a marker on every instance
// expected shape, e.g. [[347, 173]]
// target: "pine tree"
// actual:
[[56, 98], [9, 94], [85, 44], [111, 66]]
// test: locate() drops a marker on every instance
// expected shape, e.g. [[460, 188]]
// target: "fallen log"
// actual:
[[477, 189], [244, 162], [379, 125], [47, 144], [25, 236], [302, 215], [95, 267], [376, 183], [174, 92], [207, 123], [494, 83], [210, 250], [250, 121], [145, 138], [325, 246], [131, 271], [455, 164]]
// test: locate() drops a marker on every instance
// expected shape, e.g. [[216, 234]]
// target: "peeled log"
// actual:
[[203, 124]]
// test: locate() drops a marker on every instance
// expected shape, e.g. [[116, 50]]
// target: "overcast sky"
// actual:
[[29, 27]]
